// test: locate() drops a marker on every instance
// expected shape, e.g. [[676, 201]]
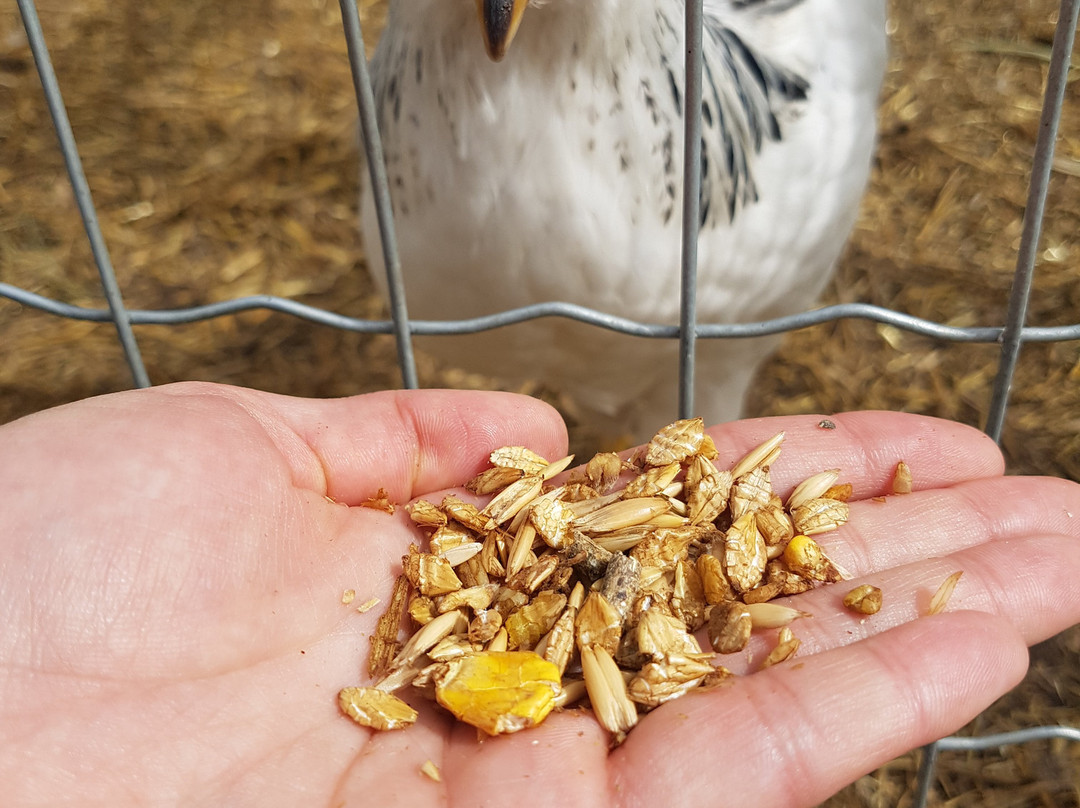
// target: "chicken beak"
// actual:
[[499, 20]]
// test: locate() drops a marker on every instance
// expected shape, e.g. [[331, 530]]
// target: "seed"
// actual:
[[805, 557], [819, 516], [665, 548], [471, 572], [865, 599], [498, 642], [512, 499], [507, 600], [652, 481], [485, 625], [347, 596], [603, 471], [518, 457], [426, 514], [429, 573], [520, 549], [773, 615], [790, 582], [667, 520], [658, 634], [786, 646], [535, 575], [575, 492], [450, 648], [762, 455], [456, 556], [944, 592], [379, 502], [901, 483], [582, 507], [775, 525], [713, 580], [708, 497], [607, 691], [448, 536], [667, 679], [619, 541], [598, 623], [490, 555], [623, 513], [812, 487], [422, 609], [573, 690], [688, 595], [557, 467], [431, 771], [464, 513], [551, 518], [675, 442], [375, 708], [751, 492], [476, 598], [841, 492], [729, 627], [442, 626], [527, 625], [499, 692], [558, 644], [744, 554], [493, 479], [764, 593]]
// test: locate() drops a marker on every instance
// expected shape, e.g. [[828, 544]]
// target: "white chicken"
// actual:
[[552, 170]]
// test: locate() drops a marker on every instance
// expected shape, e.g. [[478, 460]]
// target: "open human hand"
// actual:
[[171, 627]]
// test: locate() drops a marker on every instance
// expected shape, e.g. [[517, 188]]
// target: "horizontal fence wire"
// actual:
[[1012, 335], [569, 311]]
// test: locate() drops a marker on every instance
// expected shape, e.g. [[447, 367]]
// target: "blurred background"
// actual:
[[220, 144]]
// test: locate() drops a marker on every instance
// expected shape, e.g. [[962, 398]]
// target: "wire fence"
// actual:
[[1011, 336]]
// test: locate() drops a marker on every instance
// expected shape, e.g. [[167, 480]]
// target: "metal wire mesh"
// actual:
[[1012, 335]]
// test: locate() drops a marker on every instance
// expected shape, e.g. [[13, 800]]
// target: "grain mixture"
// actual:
[[594, 587]]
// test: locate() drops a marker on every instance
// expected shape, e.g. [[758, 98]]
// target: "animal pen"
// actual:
[[41, 296]]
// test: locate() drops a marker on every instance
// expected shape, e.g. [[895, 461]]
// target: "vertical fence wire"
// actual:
[[1042, 162], [691, 212], [380, 190], [81, 188]]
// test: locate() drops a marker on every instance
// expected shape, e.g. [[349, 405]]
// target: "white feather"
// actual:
[[548, 176]]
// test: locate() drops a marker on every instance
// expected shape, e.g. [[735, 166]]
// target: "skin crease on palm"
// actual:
[[172, 632]]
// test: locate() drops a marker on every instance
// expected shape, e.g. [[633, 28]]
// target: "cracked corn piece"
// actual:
[[499, 691]]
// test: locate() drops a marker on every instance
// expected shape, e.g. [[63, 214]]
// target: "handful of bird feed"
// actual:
[[595, 587]]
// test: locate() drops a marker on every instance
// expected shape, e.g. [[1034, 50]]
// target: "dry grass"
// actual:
[[219, 141]]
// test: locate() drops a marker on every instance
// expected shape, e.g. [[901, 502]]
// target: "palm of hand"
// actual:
[[172, 629]]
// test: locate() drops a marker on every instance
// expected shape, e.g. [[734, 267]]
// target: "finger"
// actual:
[[562, 762], [415, 441], [1028, 582], [900, 529], [794, 734], [866, 447]]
